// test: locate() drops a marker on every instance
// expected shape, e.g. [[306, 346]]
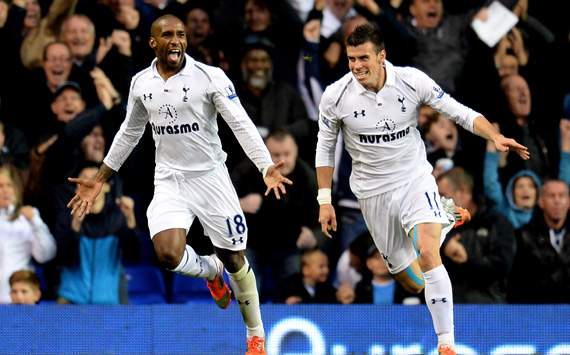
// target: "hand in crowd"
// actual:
[[565, 135], [106, 92], [127, 207], [345, 294], [455, 250], [312, 31], [275, 181], [370, 5], [251, 203], [3, 13], [28, 212], [293, 300], [517, 44], [76, 222], [128, 16], [306, 239], [521, 9], [118, 38]]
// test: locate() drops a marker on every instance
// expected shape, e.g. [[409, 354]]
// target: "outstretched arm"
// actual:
[[483, 128], [327, 215], [88, 190]]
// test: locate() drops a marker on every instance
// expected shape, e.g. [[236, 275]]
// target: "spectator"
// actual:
[[520, 196], [23, 234], [25, 287], [478, 255], [541, 270], [91, 248], [525, 128], [13, 148], [202, 45], [312, 284], [271, 104], [278, 256]]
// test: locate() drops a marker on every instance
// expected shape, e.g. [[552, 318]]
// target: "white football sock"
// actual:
[[195, 265], [439, 299], [245, 290]]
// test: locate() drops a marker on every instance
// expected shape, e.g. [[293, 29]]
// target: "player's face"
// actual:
[[555, 200], [23, 293], [524, 192], [367, 65], [169, 43], [7, 190]]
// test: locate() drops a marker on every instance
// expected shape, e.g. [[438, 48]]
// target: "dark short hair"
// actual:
[[26, 276], [280, 134], [72, 85], [366, 33]]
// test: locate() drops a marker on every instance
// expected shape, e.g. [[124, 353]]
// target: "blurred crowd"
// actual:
[[66, 67]]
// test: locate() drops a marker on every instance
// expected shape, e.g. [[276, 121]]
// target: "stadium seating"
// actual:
[[145, 284]]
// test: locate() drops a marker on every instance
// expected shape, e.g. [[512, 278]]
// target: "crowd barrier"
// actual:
[[303, 329]]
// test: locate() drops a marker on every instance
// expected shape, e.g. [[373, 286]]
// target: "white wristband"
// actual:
[[324, 197], [264, 170]]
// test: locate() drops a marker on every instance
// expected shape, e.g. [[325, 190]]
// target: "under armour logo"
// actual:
[[442, 300], [149, 96], [401, 101], [356, 113], [386, 258], [185, 89], [246, 302], [238, 240]]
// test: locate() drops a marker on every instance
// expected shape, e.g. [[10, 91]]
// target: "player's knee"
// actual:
[[429, 258], [168, 259]]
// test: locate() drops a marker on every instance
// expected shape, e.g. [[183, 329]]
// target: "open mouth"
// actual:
[[449, 136], [432, 14], [174, 55]]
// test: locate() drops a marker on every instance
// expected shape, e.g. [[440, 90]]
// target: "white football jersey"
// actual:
[[182, 113], [380, 129]]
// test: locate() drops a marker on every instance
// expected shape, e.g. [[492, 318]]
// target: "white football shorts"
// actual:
[[211, 197], [391, 216]]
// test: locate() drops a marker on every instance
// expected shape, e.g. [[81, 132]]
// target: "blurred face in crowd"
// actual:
[[257, 15], [168, 40], [7, 189], [316, 267], [257, 69], [33, 14], [79, 34], [339, 8], [283, 149], [554, 200], [351, 24], [376, 265], [509, 65], [24, 293], [197, 26], [57, 64], [67, 105], [524, 192], [427, 13], [443, 134], [367, 65], [461, 196], [518, 95], [93, 145]]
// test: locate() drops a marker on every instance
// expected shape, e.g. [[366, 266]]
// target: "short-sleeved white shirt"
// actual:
[[380, 129], [182, 112]]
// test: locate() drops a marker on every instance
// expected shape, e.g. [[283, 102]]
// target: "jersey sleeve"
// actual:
[[228, 105], [433, 95], [130, 131], [329, 127]]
